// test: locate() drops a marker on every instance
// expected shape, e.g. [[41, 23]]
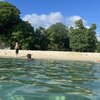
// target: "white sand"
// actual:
[[54, 55]]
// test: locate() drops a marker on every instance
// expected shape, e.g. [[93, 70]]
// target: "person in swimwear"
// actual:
[[17, 48]]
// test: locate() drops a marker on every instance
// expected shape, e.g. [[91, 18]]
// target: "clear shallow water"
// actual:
[[49, 80]]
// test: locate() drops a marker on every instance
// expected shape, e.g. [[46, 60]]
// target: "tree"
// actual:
[[24, 34], [83, 39], [58, 38], [98, 46], [9, 16], [41, 42], [79, 24]]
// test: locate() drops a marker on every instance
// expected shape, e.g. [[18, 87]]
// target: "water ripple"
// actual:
[[21, 79]]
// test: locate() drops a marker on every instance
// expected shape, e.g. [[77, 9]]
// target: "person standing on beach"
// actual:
[[16, 48]]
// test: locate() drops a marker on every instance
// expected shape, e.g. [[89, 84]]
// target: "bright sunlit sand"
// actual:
[[52, 55]]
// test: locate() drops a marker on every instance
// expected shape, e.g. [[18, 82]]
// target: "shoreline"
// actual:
[[51, 55]]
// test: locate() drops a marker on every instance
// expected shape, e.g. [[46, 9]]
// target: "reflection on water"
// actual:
[[49, 80]]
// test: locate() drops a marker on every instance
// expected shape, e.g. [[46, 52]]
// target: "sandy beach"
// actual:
[[52, 55]]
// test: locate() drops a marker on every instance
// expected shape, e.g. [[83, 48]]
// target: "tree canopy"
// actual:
[[9, 16], [56, 37], [24, 34], [83, 39]]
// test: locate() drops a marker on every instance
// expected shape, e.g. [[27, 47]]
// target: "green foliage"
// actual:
[[98, 46], [79, 24], [24, 34], [93, 27], [9, 16], [58, 38], [83, 39], [41, 42]]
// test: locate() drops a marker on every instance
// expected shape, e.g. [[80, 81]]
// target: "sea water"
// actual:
[[49, 80]]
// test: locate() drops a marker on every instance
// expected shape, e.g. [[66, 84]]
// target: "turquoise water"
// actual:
[[49, 80]]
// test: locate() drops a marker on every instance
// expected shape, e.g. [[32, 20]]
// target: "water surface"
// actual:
[[49, 80]]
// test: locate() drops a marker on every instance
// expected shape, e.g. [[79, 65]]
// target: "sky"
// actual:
[[47, 12]]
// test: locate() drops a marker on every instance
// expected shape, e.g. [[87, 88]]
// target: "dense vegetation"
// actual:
[[56, 37]]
